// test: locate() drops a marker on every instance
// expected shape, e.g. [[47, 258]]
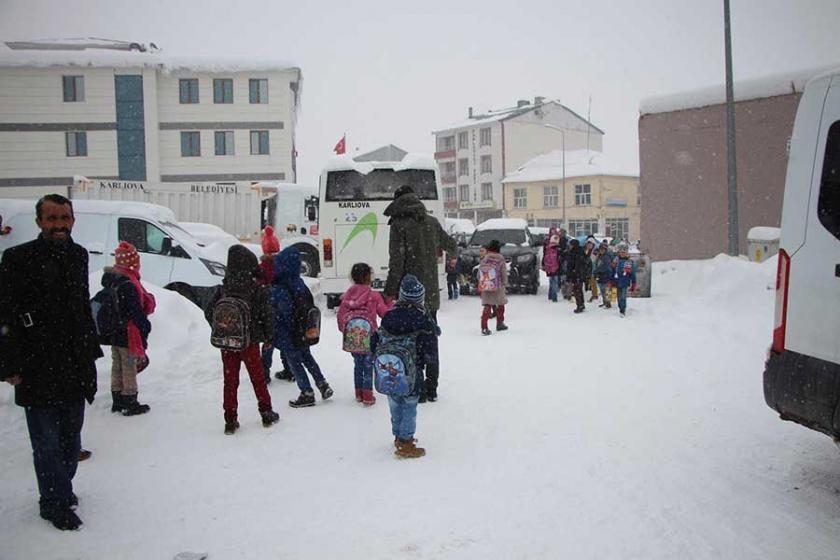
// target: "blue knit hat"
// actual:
[[412, 291]]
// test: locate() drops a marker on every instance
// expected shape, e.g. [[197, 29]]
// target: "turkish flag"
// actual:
[[341, 146]]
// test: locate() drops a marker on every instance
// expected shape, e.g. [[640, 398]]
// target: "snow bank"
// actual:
[[502, 223]]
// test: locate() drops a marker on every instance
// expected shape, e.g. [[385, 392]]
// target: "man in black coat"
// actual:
[[48, 349]]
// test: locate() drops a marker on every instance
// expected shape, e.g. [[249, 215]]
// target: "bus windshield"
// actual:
[[379, 184]]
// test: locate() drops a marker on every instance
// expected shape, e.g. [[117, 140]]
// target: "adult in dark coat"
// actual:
[[578, 269], [415, 239], [48, 349]]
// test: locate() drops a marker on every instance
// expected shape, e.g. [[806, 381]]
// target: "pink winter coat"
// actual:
[[360, 300]]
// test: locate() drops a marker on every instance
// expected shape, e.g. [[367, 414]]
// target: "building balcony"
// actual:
[[445, 154], [447, 179]]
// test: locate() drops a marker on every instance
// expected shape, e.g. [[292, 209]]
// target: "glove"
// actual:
[[633, 287]]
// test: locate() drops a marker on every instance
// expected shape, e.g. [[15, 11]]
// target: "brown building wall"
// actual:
[[682, 160]]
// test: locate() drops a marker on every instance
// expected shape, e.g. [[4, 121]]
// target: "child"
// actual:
[[409, 316], [128, 350], [452, 276], [241, 283], [363, 304], [551, 262], [603, 273], [288, 292], [270, 247], [624, 276], [591, 252], [492, 280]]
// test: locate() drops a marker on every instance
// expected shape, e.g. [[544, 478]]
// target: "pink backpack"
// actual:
[[490, 275]]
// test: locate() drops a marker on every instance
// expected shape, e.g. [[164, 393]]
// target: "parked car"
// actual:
[[519, 249]]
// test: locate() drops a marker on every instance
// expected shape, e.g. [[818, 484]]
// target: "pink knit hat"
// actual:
[[126, 256], [270, 243]]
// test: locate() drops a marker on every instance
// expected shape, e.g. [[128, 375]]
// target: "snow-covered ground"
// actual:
[[568, 436]]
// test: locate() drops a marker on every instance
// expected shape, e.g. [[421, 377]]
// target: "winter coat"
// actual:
[[603, 268], [241, 282], [499, 297], [453, 267], [414, 241], [578, 265], [266, 274], [47, 333], [405, 318], [130, 307], [287, 286], [360, 300], [624, 272]]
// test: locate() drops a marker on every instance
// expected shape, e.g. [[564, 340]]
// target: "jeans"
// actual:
[[452, 286], [605, 295], [577, 291], [300, 358], [232, 361], [622, 299], [55, 434], [363, 371], [553, 287], [403, 416]]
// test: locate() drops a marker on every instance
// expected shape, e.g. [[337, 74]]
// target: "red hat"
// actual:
[[126, 256], [270, 243]]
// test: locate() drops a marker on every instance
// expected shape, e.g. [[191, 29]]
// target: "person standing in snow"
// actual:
[[270, 246], [603, 273], [364, 304], [551, 262], [492, 283], [415, 239], [578, 267], [48, 350], [288, 292], [452, 267], [624, 275], [563, 281], [591, 252], [128, 348]]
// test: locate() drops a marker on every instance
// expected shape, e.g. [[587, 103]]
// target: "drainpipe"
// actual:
[[504, 172]]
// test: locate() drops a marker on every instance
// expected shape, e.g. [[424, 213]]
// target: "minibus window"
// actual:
[[828, 206], [379, 184], [145, 237]]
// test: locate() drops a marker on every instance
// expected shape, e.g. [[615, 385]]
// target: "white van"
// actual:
[[354, 228], [170, 257], [802, 373]]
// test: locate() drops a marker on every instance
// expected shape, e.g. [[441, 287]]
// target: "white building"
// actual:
[[114, 110], [475, 155]]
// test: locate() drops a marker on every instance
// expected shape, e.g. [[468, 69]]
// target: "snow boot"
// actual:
[[63, 519], [621, 313], [326, 390], [118, 404], [408, 450], [607, 305], [359, 397], [269, 417], [84, 454], [501, 327], [368, 399], [132, 407], [485, 332], [306, 398], [231, 427], [397, 441], [579, 309], [284, 375]]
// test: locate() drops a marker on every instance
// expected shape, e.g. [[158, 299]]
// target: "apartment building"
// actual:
[[582, 191], [475, 155], [127, 111]]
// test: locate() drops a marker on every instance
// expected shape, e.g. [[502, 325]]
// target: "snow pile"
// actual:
[[502, 223]]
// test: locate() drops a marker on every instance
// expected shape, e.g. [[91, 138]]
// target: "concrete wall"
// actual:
[[682, 158]]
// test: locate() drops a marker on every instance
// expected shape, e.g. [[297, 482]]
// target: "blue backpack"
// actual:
[[394, 363]]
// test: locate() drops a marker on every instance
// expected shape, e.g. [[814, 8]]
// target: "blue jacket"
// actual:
[[286, 285], [406, 319], [624, 272], [603, 268]]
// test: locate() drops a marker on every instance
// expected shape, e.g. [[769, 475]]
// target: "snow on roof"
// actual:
[[499, 115], [502, 223], [578, 163], [412, 160], [280, 185], [764, 233], [768, 86], [122, 207], [92, 57], [459, 225]]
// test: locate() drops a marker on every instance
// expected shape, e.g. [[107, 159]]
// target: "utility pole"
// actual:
[[731, 170]]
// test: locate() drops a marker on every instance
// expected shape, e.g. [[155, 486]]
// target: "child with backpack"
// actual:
[[603, 273], [624, 276], [551, 262], [356, 317], [297, 326], [128, 306], [403, 346], [240, 317], [492, 282]]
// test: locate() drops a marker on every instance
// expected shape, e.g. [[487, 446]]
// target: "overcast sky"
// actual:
[[391, 72]]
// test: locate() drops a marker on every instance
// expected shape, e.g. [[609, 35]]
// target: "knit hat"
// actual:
[[623, 246], [412, 291], [404, 189], [125, 255], [494, 246], [270, 243]]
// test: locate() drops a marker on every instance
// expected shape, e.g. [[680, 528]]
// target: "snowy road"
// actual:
[[567, 436]]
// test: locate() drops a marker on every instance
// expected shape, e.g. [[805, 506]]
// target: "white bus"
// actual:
[[353, 226]]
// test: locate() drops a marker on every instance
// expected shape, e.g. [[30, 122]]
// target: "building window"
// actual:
[[258, 91], [484, 137], [486, 164], [583, 195], [464, 193], [463, 167], [449, 194], [582, 227], [224, 143], [550, 223], [463, 140], [190, 144], [618, 228], [520, 198], [446, 143], [189, 90], [259, 142], [486, 191], [74, 88], [551, 196], [223, 90], [76, 143], [447, 171]]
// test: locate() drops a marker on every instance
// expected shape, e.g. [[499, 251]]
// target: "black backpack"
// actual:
[[230, 324], [105, 308], [306, 320]]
